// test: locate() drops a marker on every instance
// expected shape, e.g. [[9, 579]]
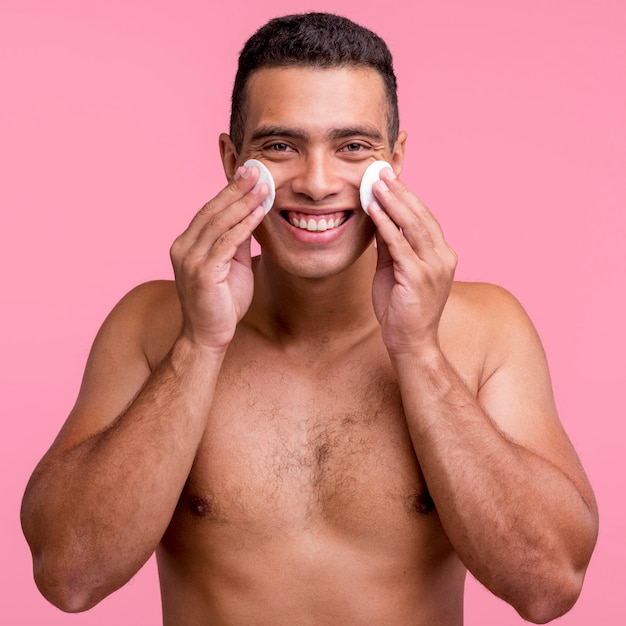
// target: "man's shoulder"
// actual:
[[148, 315], [480, 299], [483, 313], [487, 320], [152, 293], [149, 302]]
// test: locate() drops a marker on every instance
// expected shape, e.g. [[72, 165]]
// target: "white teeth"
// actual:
[[312, 226]]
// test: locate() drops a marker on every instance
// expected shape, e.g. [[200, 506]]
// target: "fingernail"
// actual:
[[242, 172], [374, 206], [382, 186]]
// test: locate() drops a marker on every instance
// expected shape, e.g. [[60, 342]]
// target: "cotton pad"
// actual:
[[264, 177], [370, 176]]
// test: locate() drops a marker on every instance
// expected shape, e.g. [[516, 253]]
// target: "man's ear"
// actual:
[[229, 155], [397, 156]]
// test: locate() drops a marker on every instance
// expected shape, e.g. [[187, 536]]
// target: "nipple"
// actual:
[[264, 177], [199, 506], [370, 176]]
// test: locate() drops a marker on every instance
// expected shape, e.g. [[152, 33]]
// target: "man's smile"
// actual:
[[316, 223]]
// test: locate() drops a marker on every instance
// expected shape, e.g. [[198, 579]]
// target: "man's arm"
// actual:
[[100, 500], [508, 487]]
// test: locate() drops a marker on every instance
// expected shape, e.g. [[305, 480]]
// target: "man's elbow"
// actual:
[[557, 587], [551, 601], [70, 592]]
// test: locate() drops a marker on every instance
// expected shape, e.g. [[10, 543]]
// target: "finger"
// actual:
[[406, 248], [397, 186], [220, 238], [406, 210], [207, 226], [228, 246], [384, 256], [406, 217], [396, 248], [233, 201]]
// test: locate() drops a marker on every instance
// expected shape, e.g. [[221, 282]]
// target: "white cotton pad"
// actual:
[[264, 177], [370, 176]]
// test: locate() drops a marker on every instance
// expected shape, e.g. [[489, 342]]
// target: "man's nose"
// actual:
[[318, 178]]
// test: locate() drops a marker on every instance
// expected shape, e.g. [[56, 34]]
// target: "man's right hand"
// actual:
[[142, 410], [212, 261]]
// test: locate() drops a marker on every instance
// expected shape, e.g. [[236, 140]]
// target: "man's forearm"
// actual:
[[94, 513], [517, 521]]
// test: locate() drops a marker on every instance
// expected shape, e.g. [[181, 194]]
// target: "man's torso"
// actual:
[[306, 503]]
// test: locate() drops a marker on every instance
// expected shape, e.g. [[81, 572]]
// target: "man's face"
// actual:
[[316, 130]]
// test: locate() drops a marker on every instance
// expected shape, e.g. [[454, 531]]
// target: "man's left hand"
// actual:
[[415, 268]]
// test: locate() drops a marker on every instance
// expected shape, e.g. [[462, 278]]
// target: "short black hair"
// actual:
[[320, 40]]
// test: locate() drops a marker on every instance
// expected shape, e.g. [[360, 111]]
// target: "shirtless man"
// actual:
[[333, 432]]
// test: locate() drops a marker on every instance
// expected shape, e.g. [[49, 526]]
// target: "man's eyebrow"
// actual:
[[272, 130], [343, 132], [369, 132]]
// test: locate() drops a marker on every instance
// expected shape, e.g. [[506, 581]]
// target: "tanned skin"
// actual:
[[331, 433]]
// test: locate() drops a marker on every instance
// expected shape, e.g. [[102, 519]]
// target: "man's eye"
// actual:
[[279, 147], [353, 147]]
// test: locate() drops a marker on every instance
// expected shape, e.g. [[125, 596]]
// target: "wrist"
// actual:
[[425, 377], [426, 351], [187, 352], [418, 357]]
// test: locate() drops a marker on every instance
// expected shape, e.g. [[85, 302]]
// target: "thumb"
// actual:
[[384, 257], [243, 253]]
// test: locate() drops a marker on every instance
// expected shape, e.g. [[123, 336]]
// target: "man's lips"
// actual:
[[316, 222]]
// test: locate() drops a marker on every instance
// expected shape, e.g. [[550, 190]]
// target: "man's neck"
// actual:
[[295, 310]]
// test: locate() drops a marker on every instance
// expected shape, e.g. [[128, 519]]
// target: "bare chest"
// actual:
[[301, 444]]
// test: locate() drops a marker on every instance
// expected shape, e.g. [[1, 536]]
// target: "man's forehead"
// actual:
[[296, 76], [334, 97]]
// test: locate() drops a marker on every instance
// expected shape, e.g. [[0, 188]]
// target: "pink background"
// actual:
[[109, 116]]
